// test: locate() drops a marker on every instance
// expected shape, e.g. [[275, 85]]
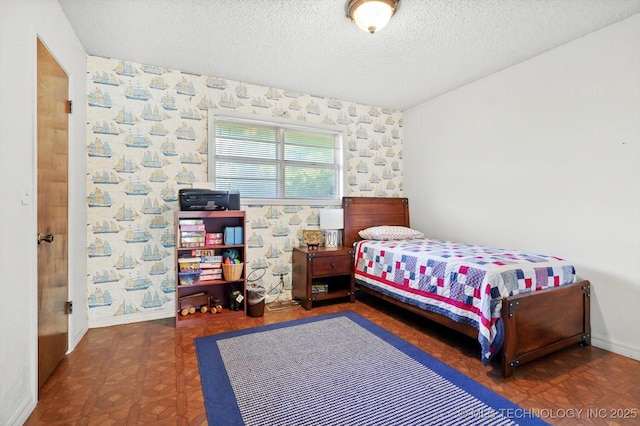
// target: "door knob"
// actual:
[[47, 238]]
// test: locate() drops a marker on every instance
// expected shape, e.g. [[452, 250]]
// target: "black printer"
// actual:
[[208, 199]]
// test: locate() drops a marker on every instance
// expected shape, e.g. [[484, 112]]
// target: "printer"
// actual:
[[208, 199]]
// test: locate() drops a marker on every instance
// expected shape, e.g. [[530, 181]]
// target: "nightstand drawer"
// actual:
[[331, 265]]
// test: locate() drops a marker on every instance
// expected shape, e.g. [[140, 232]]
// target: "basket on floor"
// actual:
[[232, 271]]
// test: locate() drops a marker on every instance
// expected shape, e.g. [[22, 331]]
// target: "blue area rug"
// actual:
[[338, 369]]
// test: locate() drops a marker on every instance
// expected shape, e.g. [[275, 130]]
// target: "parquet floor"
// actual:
[[147, 373]]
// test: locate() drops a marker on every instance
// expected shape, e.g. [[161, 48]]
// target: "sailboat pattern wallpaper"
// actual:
[[147, 138]]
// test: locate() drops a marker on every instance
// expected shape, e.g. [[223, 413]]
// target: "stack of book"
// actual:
[[192, 232], [210, 265], [214, 238]]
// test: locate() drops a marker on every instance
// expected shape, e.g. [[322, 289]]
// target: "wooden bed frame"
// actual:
[[535, 324]]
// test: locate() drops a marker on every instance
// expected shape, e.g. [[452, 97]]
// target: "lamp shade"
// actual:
[[371, 15], [331, 219]]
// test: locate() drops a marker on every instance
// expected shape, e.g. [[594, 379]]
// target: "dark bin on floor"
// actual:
[[256, 310], [255, 300]]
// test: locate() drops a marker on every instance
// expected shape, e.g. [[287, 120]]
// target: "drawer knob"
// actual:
[[333, 264]]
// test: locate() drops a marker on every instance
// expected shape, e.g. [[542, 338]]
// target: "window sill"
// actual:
[[287, 202]]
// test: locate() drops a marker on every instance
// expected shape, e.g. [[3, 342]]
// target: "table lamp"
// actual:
[[331, 221]]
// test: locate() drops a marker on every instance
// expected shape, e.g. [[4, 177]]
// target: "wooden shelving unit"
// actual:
[[214, 222]]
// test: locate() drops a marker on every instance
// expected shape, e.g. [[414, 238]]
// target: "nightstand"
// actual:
[[322, 274]]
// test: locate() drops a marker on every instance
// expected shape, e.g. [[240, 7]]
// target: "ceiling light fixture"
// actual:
[[371, 15]]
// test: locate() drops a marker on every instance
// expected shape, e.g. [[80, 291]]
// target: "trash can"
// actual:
[[255, 300]]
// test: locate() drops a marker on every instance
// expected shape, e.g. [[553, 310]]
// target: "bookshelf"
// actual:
[[203, 240]]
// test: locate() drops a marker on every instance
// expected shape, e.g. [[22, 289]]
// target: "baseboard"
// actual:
[[127, 319], [23, 413], [77, 339], [616, 347]]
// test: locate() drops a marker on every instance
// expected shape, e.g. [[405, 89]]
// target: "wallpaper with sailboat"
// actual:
[[147, 138]]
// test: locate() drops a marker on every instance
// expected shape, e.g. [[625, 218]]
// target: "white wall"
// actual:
[[21, 22], [544, 156]]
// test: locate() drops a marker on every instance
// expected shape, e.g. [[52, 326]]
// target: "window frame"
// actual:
[[339, 131]]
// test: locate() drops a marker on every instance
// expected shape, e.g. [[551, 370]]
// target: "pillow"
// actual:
[[390, 233]]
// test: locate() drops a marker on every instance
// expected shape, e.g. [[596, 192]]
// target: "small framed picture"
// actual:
[[312, 238]]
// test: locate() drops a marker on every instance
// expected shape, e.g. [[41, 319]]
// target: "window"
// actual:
[[276, 162]]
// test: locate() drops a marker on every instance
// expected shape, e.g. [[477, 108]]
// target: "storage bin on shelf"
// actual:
[[189, 264], [189, 278], [232, 271]]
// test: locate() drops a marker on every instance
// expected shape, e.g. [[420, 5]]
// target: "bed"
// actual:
[[518, 325]]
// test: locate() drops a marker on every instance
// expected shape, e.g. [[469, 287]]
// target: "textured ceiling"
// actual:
[[430, 46]]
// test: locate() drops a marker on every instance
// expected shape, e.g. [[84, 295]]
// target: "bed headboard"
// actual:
[[364, 212]]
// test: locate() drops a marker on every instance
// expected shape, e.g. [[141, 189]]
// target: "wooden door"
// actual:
[[53, 95]]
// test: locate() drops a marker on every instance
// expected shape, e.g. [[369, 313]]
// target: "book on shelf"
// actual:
[[192, 232], [213, 238], [319, 288], [192, 228], [190, 222], [204, 252], [211, 275], [188, 244], [192, 238], [210, 265], [207, 256], [195, 235]]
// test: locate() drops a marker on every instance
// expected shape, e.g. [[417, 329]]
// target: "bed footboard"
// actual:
[[537, 324]]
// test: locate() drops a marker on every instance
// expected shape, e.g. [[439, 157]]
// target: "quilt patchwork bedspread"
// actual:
[[461, 281]]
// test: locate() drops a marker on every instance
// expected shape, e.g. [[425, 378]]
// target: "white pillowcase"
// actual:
[[390, 233]]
